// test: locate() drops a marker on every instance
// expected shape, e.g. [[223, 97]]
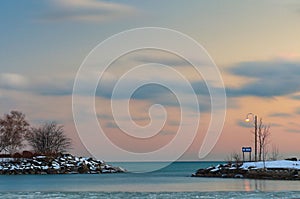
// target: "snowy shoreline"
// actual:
[[63, 164], [276, 170]]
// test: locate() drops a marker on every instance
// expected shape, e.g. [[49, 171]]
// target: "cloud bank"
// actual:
[[271, 78]]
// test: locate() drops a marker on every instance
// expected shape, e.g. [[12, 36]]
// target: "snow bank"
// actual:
[[278, 164]]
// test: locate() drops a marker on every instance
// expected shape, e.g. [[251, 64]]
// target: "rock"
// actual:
[[17, 155], [291, 159], [27, 154], [83, 169], [238, 176], [275, 173], [62, 164]]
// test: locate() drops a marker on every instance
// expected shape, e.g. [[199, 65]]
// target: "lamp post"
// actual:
[[255, 132]]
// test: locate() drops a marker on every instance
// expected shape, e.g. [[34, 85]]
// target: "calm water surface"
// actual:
[[173, 181]]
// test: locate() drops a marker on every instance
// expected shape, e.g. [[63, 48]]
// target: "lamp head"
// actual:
[[248, 117]]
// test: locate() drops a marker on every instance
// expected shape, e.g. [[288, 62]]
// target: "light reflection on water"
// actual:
[[247, 185]]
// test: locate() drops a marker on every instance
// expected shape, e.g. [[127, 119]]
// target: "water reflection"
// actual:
[[260, 185], [270, 185], [247, 186]]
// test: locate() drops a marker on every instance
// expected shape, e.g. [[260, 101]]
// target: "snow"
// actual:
[[122, 169], [6, 159], [215, 170], [100, 161], [45, 167], [284, 164], [40, 157], [93, 168], [56, 167], [37, 162]]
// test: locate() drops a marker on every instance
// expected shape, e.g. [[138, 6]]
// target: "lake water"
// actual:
[[173, 181]]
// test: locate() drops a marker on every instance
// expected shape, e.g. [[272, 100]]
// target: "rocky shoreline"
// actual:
[[62, 164], [275, 170]]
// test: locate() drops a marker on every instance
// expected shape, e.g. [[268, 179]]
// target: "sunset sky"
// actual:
[[255, 44]]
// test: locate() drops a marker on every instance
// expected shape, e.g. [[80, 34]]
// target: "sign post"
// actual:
[[246, 150]]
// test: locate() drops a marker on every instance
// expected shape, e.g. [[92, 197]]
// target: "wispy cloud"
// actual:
[[295, 97], [111, 125], [150, 93], [104, 116], [293, 130], [249, 125], [88, 11], [157, 94], [39, 108], [165, 132], [174, 123], [297, 111], [159, 56], [41, 85], [13, 81], [271, 78], [244, 124], [280, 114], [275, 125]]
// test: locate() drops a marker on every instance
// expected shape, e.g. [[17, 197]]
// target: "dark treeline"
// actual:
[[16, 133]]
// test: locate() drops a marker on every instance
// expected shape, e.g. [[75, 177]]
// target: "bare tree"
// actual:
[[274, 152], [263, 139], [13, 128], [234, 158], [48, 139], [228, 159]]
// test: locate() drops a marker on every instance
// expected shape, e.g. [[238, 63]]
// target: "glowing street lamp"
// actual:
[[248, 119]]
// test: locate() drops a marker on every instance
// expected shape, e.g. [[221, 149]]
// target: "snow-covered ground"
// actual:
[[283, 164]]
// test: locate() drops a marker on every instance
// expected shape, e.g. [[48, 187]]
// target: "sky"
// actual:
[[254, 44]]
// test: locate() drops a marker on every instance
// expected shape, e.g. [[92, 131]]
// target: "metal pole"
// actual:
[[250, 156], [255, 138]]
